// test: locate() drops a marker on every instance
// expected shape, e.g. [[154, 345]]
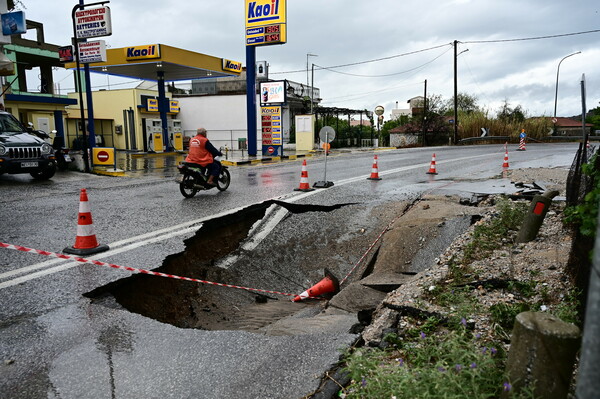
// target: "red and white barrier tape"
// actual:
[[134, 270]]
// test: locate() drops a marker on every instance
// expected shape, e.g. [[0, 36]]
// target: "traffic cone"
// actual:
[[505, 164], [374, 170], [85, 242], [521, 144], [304, 186], [432, 170], [328, 285]]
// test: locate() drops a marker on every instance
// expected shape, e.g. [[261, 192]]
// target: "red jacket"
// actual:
[[198, 152]]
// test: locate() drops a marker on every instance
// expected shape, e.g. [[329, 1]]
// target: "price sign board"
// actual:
[[266, 22], [271, 129]]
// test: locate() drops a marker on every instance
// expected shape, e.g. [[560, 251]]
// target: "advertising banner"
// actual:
[[90, 52], [272, 92], [93, 22], [13, 23]]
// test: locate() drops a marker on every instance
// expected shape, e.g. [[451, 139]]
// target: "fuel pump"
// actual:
[[176, 134], [154, 135]]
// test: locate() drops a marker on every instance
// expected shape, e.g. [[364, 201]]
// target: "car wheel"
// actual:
[[45, 173]]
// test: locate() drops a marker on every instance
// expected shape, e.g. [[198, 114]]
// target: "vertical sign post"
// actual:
[[266, 24], [94, 22]]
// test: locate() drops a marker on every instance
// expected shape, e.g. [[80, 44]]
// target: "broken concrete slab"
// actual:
[[356, 297]]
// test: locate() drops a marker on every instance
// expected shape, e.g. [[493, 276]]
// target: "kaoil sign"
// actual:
[[142, 52], [232, 66], [266, 22], [265, 12]]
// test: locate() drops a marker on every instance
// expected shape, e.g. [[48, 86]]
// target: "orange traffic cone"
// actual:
[[374, 170], [328, 285], [304, 186], [505, 164], [85, 242], [432, 170]]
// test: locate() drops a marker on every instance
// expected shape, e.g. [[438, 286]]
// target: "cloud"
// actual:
[[351, 31]]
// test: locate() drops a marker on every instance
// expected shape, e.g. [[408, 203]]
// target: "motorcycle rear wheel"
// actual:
[[187, 186], [223, 180]]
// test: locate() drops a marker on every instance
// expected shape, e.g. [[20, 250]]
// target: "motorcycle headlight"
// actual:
[[2, 149], [46, 149]]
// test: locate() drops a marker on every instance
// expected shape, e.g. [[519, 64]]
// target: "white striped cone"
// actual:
[[505, 164], [85, 242], [304, 186], [374, 170], [432, 170]]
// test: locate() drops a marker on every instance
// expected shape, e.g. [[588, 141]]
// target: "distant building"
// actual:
[[415, 106], [35, 101], [569, 127], [565, 126]]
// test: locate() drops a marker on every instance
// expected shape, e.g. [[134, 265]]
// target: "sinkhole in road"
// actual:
[[188, 304]]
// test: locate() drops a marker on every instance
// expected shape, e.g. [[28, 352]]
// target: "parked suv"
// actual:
[[22, 152]]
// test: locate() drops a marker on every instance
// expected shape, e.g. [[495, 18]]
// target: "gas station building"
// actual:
[[144, 118]]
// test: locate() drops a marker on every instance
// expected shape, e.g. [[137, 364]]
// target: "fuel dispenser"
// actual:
[[176, 134], [154, 135]]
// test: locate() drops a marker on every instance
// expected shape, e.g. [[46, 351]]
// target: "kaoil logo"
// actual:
[[265, 11], [142, 52], [233, 66]]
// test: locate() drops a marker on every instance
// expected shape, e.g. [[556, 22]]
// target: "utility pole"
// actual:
[[424, 113], [455, 139]]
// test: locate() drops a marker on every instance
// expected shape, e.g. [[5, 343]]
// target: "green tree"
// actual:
[[465, 103], [593, 116], [507, 114]]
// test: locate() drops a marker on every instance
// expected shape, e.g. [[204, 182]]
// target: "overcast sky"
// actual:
[[340, 32]]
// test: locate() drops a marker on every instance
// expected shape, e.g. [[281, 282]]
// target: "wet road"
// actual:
[[58, 343]]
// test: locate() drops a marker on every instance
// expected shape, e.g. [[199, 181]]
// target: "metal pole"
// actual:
[[312, 88], [557, 71], [326, 142], [251, 99], [583, 112]]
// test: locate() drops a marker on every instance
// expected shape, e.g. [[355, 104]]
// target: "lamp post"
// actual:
[[557, 71], [308, 55]]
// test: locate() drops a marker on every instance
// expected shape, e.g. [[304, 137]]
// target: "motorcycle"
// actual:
[[195, 178], [61, 153]]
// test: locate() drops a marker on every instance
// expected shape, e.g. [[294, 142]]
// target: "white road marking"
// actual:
[[191, 226]]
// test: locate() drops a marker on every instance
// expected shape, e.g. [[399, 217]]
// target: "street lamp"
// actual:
[[308, 55], [557, 71]]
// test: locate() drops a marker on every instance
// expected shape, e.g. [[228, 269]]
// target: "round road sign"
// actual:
[[327, 134], [271, 150], [103, 156]]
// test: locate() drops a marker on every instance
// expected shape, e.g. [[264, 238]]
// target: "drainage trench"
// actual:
[[194, 305]]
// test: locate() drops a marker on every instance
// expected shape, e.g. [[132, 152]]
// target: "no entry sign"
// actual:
[[103, 155]]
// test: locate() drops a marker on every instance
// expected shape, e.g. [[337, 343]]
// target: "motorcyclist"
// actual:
[[202, 153]]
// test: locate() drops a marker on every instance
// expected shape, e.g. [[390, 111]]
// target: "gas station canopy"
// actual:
[[147, 61]]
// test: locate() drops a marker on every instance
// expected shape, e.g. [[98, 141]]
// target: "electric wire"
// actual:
[[531, 38], [369, 61], [386, 75]]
